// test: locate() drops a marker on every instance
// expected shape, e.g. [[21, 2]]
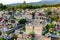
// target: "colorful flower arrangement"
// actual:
[[51, 28]]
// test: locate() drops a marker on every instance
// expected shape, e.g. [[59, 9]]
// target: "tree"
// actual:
[[4, 7], [24, 3], [1, 5]]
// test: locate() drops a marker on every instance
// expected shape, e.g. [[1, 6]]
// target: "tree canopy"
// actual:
[[25, 5]]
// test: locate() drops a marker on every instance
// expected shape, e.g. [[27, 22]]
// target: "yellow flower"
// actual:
[[59, 19], [51, 29], [53, 22]]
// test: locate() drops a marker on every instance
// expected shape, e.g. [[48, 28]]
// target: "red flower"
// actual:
[[58, 27], [39, 14]]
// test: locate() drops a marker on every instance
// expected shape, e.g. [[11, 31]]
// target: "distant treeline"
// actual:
[[26, 6], [2, 6], [51, 5]]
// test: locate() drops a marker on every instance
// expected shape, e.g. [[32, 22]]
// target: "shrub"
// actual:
[[49, 12], [22, 21], [0, 32], [2, 38]]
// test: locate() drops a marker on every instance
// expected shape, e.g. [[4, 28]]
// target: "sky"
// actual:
[[21, 1], [17, 1]]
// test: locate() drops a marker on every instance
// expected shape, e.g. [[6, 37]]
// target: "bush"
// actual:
[[48, 26], [31, 32], [49, 12], [22, 21], [2, 38], [54, 17], [0, 32]]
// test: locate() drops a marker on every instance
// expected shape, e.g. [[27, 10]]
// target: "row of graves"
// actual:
[[38, 21]]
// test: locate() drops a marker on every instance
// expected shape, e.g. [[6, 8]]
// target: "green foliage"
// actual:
[[24, 29], [28, 39], [21, 32], [27, 6], [49, 12], [30, 6], [0, 32], [24, 3], [52, 25], [15, 37], [2, 38], [2, 6], [54, 17], [31, 32], [48, 26], [51, 5], [22, 21]]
